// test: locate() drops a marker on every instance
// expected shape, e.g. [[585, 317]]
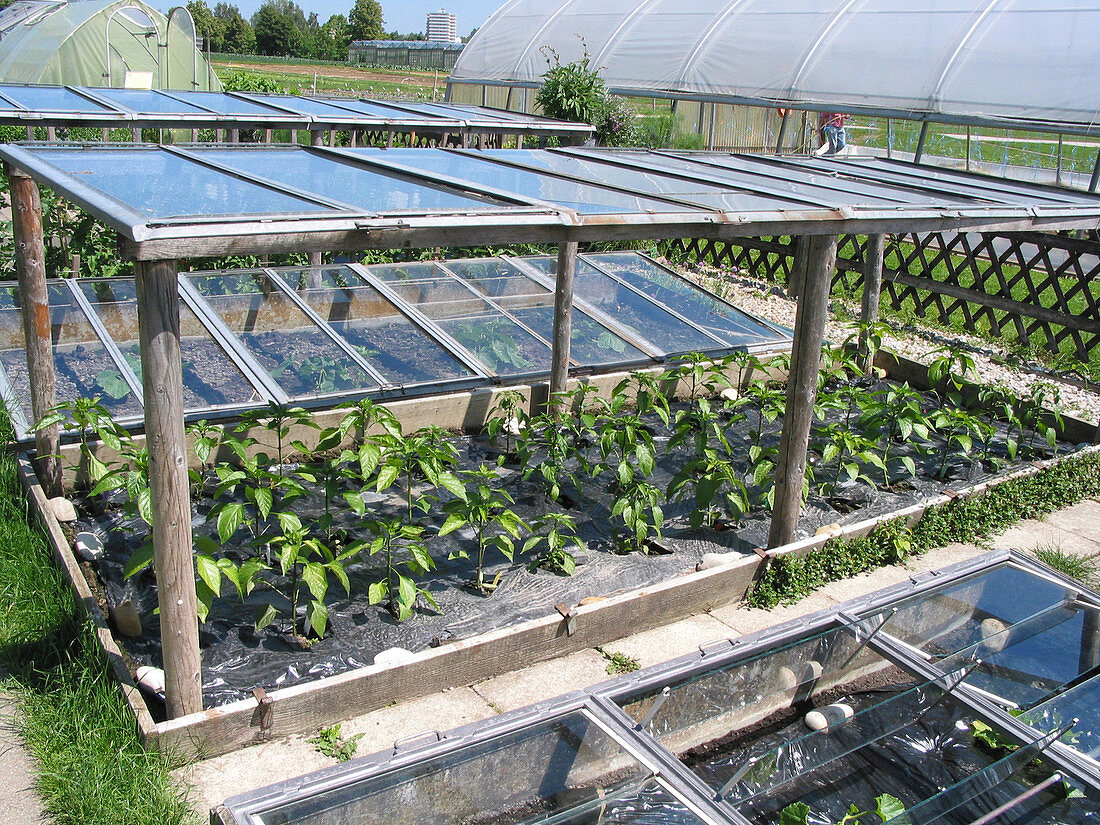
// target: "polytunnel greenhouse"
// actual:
[[317, 335], [966, 695]]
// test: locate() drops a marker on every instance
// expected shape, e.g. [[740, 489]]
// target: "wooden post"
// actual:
[[872, 292], [162, 379], [798, 268], [233, 135], [782, 131], [316, 137], [809, 333], [920, 142], [30, 269], [563, 320]]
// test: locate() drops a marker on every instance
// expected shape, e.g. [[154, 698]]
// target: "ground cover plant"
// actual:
[[333, 541]]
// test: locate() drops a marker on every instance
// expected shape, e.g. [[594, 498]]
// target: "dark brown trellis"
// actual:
[[1032, 287]]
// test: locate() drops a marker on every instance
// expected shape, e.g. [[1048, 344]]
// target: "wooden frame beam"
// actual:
[[809, 334], [30, 268], [162, 380], [873, 254], [563, 320]]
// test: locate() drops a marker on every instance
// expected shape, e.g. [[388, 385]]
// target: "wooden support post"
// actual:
[[194, 135], [315, 260], [105, 134], [798, 268], [233, 135], [162, 379], [872, 292], [267, 136], [563, 320], [782, 131], [316, 137], [920, 142], [30, 269], [809, 333], [51, 134]]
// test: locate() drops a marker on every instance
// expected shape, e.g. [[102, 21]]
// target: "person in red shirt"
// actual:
[[832, 132]]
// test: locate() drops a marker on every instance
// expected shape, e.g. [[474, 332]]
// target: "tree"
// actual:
[[236, 32], [365, 21], [206, 23], [575, 91], [332, 39], [280, 28]]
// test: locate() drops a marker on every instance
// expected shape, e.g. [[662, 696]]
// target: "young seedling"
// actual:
[[402, 550], [637, 506], [557, 531], [507, 416], [331, 742], [486, 509], [959, 428], [886, 808], [89, 418]]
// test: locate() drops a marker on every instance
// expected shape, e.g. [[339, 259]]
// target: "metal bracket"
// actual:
[[707, 648], [662, 697], [405, 740], [570, 615], [264, 715]]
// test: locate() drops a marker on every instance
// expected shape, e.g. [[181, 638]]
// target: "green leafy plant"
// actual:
[[205, 438], [486, 509], [637, 507], [112, 383], [555, 532], [895, 416], [886, 808], [402, 550], [507, 413], [1082, 568], [132, 476], [331, 742], [91, 419], [493, 342], [960, 428], [950, 370], [618, 662], [426, 453]]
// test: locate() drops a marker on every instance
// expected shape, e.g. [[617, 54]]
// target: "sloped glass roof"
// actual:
[[322, 334]]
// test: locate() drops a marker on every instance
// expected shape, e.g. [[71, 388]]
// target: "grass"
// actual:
[[421, 85], [618, 662], [92, 767], [1081, 568]]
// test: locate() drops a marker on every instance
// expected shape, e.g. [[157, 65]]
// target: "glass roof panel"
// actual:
[[149, 102], [312, 106], [672, 291], [495, 340], [533, 304], [159, 184], [82, 364], [563, 770], [695, 190], [301, 358], [397, 348], [52, 99], [373, 109], [956, 616], [1081, 702], [645, 318], [225, 103], [210, 379], [8, 107], [583, 197], [325, 175]]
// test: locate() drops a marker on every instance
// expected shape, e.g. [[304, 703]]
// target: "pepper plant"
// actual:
[[402, 550], [90, 418], [556, 532], [637, 507]]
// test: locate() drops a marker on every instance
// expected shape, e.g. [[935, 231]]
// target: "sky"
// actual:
[[400, 15]]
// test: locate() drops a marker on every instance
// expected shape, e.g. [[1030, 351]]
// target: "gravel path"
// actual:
[[994, 364]]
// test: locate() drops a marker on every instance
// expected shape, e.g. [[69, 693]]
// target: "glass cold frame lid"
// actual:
[[533, 304], [364, 188], [565, 770], [645, 318], [490, 335], [210, 378], [666, 287], [398, 349], [83, 366], [298, 354], [149, 102], [52, 99]]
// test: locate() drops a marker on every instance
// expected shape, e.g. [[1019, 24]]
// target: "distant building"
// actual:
[[416, 54], [441, 27]]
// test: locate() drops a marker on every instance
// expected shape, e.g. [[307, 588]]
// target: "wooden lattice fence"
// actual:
[[1035, 288]]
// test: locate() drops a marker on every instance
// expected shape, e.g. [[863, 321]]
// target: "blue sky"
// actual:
[[400, 15]]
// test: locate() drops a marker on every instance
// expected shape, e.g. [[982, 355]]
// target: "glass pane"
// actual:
[[576, 195], [401, 351], [83, 367], [52, 99], [210, 379], [692, 190], [645, 318], [718, 317], [304, 104], [374, 110], [344, 182], [296, 353], [158, 184], [565, 770], [1081, 702], [591, 343], [225, 104], [948, 619], [496, 340], [148, 102]]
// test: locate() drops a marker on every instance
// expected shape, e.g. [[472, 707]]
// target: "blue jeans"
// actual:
[[836, 137]]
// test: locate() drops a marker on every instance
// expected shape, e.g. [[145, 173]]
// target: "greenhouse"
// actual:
[[318, 336], [934, 699], [102, 43]]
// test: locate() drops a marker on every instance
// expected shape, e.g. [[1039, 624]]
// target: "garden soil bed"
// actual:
[[237, 658]]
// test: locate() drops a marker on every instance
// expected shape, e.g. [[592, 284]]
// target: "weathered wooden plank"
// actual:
[[872, 294], [162, 380], [563, 319]]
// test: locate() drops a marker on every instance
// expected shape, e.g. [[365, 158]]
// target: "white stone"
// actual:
[[151, 679], [806, 672], [830, 530], [828, 716], [89, 545], [730, 394], [716, 560], [62, 509], [993, 634], [393, 656]]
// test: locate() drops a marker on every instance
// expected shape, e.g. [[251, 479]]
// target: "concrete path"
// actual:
[[17, 770], [1074, 530]]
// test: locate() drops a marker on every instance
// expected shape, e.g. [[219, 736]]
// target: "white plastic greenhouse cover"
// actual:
[[972, 59]]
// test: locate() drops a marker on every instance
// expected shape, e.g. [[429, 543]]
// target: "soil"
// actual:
[[237, 658]]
